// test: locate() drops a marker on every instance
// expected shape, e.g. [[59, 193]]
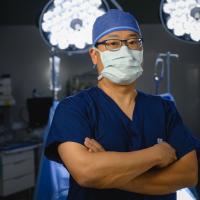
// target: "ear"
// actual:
[[93, 55]]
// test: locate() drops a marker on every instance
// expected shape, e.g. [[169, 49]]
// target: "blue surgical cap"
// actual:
[[114, 20]]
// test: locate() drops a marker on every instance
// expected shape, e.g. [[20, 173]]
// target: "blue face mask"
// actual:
[[122, 67]]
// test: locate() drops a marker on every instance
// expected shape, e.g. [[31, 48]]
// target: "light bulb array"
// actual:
[[69, 23]]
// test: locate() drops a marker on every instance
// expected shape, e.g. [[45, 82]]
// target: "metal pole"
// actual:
[[53, 77], [116, 4], [168, 56], [168, 72], [53, 74]]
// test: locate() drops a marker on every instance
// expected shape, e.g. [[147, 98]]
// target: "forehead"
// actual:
[[124, 34]]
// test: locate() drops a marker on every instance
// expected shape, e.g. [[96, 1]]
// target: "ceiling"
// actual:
[[27, 12]]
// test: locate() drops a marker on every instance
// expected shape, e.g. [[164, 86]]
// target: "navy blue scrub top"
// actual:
[[92, 113]]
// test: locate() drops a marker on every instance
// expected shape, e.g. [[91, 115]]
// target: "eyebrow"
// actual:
[[133, 34]]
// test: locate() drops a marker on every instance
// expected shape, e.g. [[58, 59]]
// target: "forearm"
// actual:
[[113, 169], [108, 169], [164, 181]]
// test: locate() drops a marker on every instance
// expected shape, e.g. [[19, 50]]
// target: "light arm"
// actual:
[[107, 169], [183, 173], [180, 174]]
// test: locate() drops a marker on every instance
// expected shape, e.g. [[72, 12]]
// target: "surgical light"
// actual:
[[67, 24], [182, 19]]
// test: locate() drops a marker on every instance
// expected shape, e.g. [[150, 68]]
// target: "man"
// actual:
[[149, 152]]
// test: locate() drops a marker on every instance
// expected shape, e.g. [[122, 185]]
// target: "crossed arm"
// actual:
[[105, 169], [130, 171], [182, 173]]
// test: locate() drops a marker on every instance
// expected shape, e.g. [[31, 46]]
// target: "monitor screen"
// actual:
[[38, 111]]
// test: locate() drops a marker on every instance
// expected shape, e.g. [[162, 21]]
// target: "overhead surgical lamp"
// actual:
[[66, 25], [181, 18]]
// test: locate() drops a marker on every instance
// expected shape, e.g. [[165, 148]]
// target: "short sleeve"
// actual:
[[70, 123], [178, 135]]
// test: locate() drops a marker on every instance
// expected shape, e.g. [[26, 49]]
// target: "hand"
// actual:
[[93, 146], [166, 153]]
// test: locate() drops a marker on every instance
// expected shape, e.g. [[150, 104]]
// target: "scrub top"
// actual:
[[92, 113]]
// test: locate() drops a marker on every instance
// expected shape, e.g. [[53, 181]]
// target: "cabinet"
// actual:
[[17, 171]]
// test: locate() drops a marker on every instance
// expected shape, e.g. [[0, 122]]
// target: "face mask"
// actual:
[[123, 66]]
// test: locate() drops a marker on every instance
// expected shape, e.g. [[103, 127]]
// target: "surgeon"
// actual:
[[117, 142]]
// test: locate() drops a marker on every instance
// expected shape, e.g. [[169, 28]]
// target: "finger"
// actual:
[[97, 145], [94, 145], [90, 145], [90, 150], [175, 157], [87, 144]]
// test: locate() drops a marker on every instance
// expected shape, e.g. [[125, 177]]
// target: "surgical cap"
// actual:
[[114, 20]]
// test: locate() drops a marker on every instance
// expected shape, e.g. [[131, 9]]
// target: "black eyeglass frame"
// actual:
[[122, 41]]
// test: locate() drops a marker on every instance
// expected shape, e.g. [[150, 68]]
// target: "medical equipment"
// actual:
[[159, 68], [55, 82], [181, 19], [159, 72]]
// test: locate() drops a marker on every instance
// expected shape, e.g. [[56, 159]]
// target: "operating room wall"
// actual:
[[25, 56]]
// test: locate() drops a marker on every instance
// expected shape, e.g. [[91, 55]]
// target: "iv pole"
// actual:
[[164, 58], [168, 57]]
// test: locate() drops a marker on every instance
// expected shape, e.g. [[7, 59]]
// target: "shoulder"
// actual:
[[78, 101], [156, 101], [150, 97]]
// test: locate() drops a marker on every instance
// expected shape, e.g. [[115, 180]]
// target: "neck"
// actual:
[[123, 94]]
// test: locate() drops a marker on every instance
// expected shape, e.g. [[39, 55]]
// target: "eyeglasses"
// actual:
[[116, 44]]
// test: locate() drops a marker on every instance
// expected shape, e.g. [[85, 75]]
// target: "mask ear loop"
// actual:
[[100, 76]]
